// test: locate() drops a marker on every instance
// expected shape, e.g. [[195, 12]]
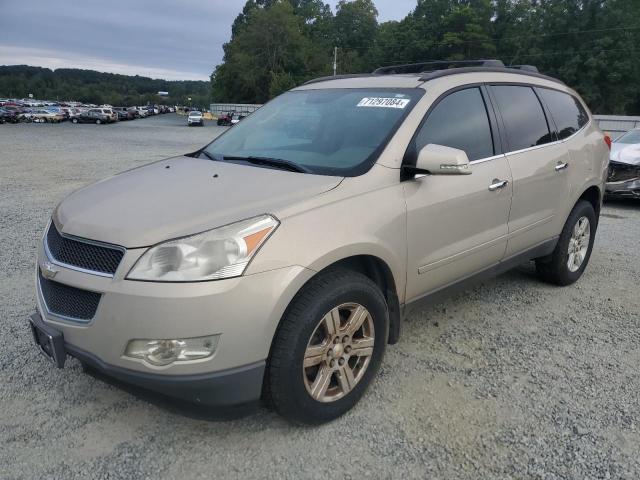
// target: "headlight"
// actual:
[[220, 253]]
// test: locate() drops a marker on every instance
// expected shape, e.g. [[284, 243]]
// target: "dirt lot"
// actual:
[[514, 379]]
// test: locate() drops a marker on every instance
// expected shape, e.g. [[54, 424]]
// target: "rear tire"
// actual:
[[569, 259], [98, 121], [74, 120], [328, 347]]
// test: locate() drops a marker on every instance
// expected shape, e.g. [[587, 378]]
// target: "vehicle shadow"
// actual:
[[180, 407], [623, 203]]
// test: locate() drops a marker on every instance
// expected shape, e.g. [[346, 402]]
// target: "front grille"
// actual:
[[83, 254], [620, 172], [69, 302]]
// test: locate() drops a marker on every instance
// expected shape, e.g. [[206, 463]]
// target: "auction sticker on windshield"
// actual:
[[384, 102]]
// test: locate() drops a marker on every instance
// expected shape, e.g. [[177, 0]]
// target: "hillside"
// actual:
[[88, 86]]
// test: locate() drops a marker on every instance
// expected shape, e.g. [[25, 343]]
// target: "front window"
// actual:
[[329, 132], [630, 137]]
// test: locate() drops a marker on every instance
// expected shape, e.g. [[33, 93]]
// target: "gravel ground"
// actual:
[[513, 379]]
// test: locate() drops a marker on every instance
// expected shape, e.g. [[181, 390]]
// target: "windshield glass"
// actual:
[[330, 132], [195, 114], [630, 137]]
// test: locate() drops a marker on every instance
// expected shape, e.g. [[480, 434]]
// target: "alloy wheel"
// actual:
[[578, 244], [338, 352]]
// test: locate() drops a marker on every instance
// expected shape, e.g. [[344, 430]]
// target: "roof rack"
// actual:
[[336, 77], [526, 68], [436, 65], [436, 69]]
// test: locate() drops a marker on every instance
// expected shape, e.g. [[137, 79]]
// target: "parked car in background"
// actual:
[[236, 118], [94, 115], [124, 113], [134, 112], [624, 166], [195, 118], [225, 119], [42, 116], [112, 115], [8, 116]]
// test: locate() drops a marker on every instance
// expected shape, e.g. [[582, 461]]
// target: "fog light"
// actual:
[[165, 352]]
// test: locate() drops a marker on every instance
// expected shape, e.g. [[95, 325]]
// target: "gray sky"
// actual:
[[172, 39]]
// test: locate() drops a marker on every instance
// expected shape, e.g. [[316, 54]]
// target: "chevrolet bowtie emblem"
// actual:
[[48, 270]]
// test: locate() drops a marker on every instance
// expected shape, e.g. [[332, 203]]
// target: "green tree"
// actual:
[[267, 55]]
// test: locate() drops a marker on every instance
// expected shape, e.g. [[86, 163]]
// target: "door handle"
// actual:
[[497, 184], [561, 166]]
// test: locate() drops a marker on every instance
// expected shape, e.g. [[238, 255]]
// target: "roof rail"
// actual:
[[526, 68], [435, 65], [336, 77], [453, 71]]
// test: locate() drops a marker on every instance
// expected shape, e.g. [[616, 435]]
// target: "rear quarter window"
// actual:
[[567, 112], [522, 115]]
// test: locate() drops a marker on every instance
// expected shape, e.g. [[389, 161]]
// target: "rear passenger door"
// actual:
[[538, 165], [457, 224]]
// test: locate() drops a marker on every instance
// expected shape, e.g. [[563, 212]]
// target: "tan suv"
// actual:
[[278, 261]]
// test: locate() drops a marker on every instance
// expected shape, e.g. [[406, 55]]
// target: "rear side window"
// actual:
[[567, 113], [522, 115], [459, 121]]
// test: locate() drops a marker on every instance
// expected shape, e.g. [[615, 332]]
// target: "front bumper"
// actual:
[[245, 312], [235, 386], [625, 189]]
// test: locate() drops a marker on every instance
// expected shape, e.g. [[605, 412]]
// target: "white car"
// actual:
[[195, 118], [624, 166]]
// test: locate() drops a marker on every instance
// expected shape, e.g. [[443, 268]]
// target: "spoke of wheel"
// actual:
[[362, 347], [321, 383], [332, 321], [314, 355], [356, 319], [346, 378]]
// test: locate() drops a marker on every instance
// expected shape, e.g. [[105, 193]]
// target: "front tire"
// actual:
[[573, 250], [328, 348], [74, 120], [98, 121]]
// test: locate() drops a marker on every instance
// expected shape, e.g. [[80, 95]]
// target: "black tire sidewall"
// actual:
[[295, 402], [561, 254]]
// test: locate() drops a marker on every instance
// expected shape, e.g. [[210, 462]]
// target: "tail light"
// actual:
[[607, 140]]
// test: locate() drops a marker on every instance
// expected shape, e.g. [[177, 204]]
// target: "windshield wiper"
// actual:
[[271, 162], [267, 161]]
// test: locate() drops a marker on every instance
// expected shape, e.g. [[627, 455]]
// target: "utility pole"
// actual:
[[335, 60]]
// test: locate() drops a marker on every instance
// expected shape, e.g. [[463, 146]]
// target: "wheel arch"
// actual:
[[377, 270], [593, 195]]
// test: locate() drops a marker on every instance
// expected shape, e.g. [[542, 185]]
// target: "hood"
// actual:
[[178, 197], [625, 153]]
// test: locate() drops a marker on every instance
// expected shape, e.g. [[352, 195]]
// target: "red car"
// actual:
[[225, 118]]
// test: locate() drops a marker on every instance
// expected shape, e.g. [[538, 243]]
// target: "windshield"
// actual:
[[195, 114], [330, 132], [630, 137]]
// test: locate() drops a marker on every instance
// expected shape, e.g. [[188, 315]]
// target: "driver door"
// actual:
[[457, 224]]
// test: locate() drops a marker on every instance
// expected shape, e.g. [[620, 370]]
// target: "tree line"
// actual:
[[592, 45], [88, 86]]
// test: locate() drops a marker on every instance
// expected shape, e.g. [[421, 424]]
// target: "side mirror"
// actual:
[[440, 160]]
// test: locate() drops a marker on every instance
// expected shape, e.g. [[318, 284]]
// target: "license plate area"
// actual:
[[49, 340]]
